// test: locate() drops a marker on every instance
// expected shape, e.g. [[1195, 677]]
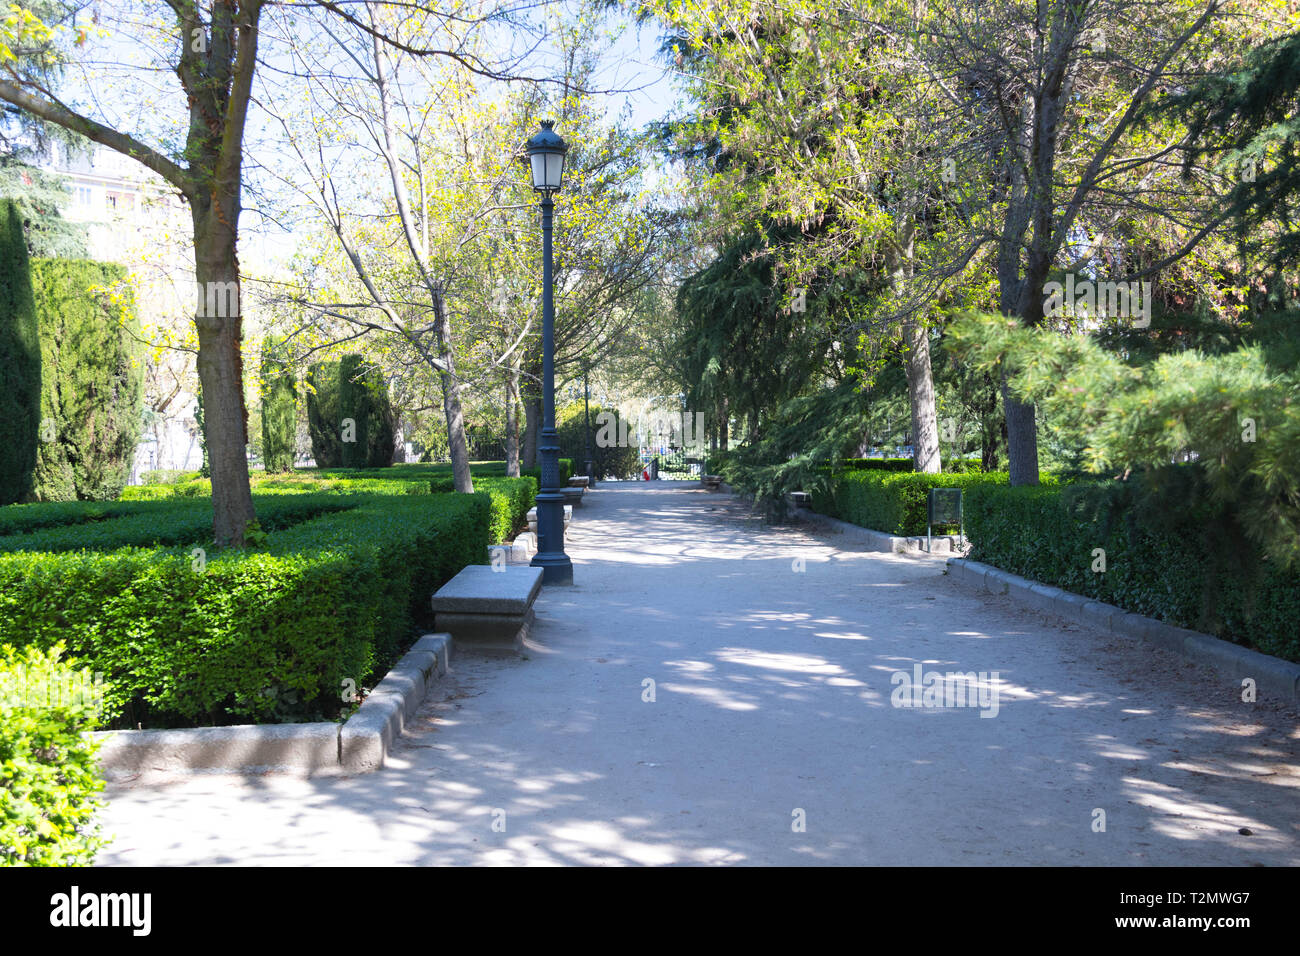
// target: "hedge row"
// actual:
[[894, 502], [262, 635], [153, 524], [1160, 564], [950, 466]]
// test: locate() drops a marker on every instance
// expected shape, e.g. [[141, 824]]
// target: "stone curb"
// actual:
[[358, 745], [1274, 678], [878, 540]]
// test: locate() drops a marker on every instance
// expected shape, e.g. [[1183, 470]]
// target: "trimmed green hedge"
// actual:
[[151, 524], [894, 502], [950, 465], [263, 635], [1167, 565], [48, 772]]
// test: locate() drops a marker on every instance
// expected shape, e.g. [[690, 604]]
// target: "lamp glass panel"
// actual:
[[554, 170], [539, 170]]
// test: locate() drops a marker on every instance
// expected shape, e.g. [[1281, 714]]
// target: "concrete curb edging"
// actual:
[[878, 540], [359, 745], [1273, 677]]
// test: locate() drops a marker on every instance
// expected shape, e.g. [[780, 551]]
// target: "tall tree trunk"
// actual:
[[451, 406], [920, 396], [920, 376], [512, 418], [220, 366]]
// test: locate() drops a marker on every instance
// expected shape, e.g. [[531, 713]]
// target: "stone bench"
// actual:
[[532, 517], [711, 482], [579, 481], [573, 495], [801, 499], [486, 608]]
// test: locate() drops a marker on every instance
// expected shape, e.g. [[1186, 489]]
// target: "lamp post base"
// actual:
[[556, 567]]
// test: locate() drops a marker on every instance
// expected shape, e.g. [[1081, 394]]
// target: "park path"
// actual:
[[772, 705]]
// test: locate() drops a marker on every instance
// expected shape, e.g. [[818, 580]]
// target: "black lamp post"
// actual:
[[546, 161]]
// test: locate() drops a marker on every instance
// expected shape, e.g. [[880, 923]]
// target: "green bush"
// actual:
[[279, 408], [48, 772], [323, 414], [950, 466], [263, 635], [165, 476], [20, 361], [611, 459], [1186, 564], [92, 379], [170, 523], [894, 502]]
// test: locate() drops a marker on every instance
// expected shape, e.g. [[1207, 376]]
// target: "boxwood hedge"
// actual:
[[263, 635], [1183, 564], [894, 502]]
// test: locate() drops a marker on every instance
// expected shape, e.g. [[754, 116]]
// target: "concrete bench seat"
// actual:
[[486, 608], [532, 517], [573, 495], [579, 481], [711, 482], [802, 499]]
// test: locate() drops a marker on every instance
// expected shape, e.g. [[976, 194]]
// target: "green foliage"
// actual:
[[177, 522], [1235, 413], [20, 361], [279, 408], [612, 460], [894, 502], [48, 770], [39, 196], [1172, 552], [323, 414], [92, 372], [363, 397], [263, 635]]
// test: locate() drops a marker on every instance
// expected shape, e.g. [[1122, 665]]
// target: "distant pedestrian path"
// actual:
[[715, 690]]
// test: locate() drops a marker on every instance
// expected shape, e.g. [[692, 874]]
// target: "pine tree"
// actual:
[[20, 361]]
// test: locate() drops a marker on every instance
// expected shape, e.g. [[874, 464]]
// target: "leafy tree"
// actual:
[[363, 399], [20, 361], [92, 394]]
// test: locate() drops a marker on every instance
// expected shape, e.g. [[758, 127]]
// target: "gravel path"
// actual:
[[771, 738]]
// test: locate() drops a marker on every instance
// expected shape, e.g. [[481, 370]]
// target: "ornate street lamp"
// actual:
[[546, 163]]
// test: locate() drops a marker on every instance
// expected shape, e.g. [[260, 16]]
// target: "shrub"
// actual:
[[363, 397], [48, 770], [950, 466], [265, 635], [92, 379], [609, 459], [1188, 565], [20, 361], [323, 414], [894, 502], [279, 408]]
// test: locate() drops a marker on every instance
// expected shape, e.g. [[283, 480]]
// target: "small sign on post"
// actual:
[[943, 506]]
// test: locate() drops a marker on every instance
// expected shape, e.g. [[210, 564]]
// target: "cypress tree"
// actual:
[[92, 395], [279, 407], [354, 404], [323, 414], [20, 361]]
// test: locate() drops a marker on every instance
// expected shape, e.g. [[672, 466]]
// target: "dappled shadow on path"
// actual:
[[712, 682]]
